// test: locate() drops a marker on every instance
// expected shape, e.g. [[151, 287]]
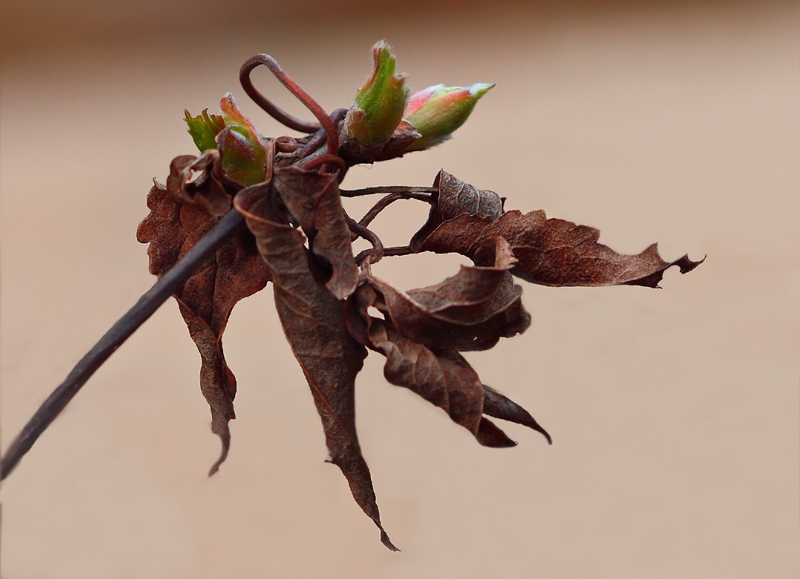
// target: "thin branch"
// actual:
[[386, 252], [388, 200], [312, 162], [400, 250], [387, 189], [319, 137], [119, 332]]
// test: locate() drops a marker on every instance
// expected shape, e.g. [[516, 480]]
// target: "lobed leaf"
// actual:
[[175, 224]]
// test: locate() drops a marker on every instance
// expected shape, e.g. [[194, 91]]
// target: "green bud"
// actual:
[[378, 107], [243, 153], [438, 111]]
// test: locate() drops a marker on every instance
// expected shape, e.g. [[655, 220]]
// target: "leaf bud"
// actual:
[[243, 152], [439, 110], [378, 107]]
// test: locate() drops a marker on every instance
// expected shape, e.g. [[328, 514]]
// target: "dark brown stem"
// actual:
[[116, 336], [319, 136], [388, 200], [324, 120], [385, 252], [388, 189], [401, 250]]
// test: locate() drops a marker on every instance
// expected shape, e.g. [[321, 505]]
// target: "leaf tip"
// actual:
[[388, 542], [223, 455]]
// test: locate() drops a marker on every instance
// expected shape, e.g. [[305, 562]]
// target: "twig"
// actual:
[[388, 200], [119, 332], [400, 250], [319, 137], [387, 189]]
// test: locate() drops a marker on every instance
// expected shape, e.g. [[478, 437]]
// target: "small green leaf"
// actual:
[[204, 129]]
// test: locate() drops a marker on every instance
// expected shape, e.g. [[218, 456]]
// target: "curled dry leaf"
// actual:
[[313, 321], [551, 252], [423, 330], [211, 191], [446, 381], [175, 224], [454, 198], [469, 311], [313, 200]]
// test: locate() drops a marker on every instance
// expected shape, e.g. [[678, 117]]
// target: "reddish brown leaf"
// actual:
[[469, 311], [551, 252], [314, 201], [207, 298], [211, 191], [423, 330], [454, 198], [497, 405], [313, 321], [442, 377], [446, 381]]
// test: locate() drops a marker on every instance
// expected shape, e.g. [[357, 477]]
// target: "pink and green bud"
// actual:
[[378, 107], [243, 153], [438, 111]]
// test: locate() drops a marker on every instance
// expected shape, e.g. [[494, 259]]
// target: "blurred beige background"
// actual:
[[675, 413]]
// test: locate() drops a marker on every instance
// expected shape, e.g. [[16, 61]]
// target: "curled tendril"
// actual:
[[327, 124], [274, 111]]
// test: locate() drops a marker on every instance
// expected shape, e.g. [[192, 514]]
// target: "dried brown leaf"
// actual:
[[314, 201], [440, 376], [499, 406], [208, 297], [313, 321], [446, 381], [469, 311], [211, 190], [551, 252], [454, 198], [423, 330]]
